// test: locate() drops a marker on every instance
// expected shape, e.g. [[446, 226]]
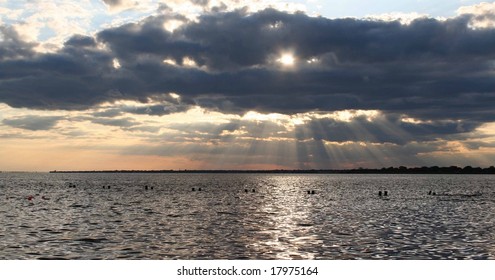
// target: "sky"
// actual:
[[234, 84]]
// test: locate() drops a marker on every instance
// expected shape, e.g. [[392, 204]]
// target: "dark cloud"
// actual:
[[123, 123], [114, 3], [429, 69], [153, 110], [201, 2], [128, 124], [81, 41], [32, 122], [12, 46], [478, 144], [156, 110], [108, 113], [74, 78]]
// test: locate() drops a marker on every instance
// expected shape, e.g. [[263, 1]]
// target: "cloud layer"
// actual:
[[355, 91], [427, 69]]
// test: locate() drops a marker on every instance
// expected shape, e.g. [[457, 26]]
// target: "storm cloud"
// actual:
[[429, 69], [12, 46]]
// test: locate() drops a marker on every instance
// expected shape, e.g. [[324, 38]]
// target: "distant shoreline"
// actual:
[[389, 170]]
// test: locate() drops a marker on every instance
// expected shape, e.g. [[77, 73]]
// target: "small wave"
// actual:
[[91, 240], [226, 213], [304, 225]]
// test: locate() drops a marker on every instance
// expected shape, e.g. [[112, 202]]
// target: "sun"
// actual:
[[287, 59]]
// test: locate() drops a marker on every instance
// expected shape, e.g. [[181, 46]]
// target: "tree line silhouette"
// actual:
[[384, 170]]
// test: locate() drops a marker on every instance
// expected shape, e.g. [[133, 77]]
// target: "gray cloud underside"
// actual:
[[32, 122], [113, 2], [429, 69]]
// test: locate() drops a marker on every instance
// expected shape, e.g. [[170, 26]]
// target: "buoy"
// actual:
[[429, 193], [146, 187], [199, 189], [108, 187], [385, 193], [151, 187], [253, 190], [245, 190], [30, 197], [380, 193], [313, 192], [193, 189]]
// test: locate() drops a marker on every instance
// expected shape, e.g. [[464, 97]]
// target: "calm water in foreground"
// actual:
[[344, 219]]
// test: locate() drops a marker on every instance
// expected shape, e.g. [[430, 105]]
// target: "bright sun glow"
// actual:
[[287, 59]]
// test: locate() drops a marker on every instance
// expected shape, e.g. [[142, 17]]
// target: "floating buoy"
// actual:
[[253, 190], [429, 193], [151, 187], [380, 193], [193, 189], [146, 187], [385, 193], [199, 189], [245, 190], [313, 192], [30, 197]]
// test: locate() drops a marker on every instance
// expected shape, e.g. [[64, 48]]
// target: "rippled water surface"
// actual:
[[114, 216]]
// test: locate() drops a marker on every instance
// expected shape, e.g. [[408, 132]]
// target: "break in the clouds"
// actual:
[[286, 88]]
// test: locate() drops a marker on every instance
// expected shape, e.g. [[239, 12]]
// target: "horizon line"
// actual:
[[401, 169]]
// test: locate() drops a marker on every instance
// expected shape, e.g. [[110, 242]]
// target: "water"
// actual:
[[344, 219]]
